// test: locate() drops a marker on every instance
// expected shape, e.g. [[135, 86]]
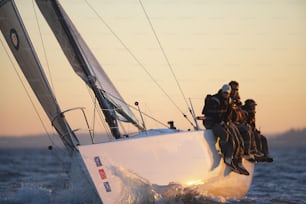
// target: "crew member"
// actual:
[[217, 114]]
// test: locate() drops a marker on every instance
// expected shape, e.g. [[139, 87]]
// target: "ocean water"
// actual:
[[38, 176]]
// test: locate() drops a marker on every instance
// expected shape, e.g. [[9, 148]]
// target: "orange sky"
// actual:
[[261, 44]]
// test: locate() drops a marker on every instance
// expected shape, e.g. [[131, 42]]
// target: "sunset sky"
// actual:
[[261, 44]]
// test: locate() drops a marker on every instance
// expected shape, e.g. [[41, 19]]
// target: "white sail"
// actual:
[[84, 62], [20, 44]]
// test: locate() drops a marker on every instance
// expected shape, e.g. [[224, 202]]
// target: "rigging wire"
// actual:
[[136, 59], [99, 111], [31, 101], [43, 45], [148, 116], [94, 117], [24, 86], [130, 106], [166, 57], [50, 75], [48, 68]]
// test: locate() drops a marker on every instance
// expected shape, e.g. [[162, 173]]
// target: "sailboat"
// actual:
[[140, 168]]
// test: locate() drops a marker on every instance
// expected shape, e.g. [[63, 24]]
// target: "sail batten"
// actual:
[[21, 47]]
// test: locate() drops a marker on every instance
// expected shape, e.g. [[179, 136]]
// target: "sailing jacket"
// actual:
[[216, 110]]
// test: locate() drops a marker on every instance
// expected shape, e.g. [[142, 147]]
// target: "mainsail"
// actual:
[[86, 66], [20, 44]]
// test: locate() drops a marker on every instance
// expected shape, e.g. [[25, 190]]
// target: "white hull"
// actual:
[[123, 169]]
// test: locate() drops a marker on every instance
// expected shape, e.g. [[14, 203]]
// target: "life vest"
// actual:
[[214, 110]]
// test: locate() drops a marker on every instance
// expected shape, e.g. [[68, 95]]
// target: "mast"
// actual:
[[86, 66], [21, 47]]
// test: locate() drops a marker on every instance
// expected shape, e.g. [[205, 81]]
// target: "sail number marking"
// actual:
[[14, 38], [102, 174]]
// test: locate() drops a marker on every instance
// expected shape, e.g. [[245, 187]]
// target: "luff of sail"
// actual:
[[86, 66], [20, 44]]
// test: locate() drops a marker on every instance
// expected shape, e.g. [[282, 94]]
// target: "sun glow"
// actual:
[[194, 182]]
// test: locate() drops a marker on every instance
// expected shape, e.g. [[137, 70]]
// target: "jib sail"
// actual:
[[86, 65]]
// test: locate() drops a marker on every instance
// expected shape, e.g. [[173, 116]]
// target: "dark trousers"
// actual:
[[247, 136], [226, 141], [238, 141], [261, 143]]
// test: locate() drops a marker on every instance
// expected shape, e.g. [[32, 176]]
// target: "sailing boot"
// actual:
[[227, 153], [254, 151], [265, 158], [249, 157], [227, 160], [239, 167], [265, 150], [268, 158], [231, 164]]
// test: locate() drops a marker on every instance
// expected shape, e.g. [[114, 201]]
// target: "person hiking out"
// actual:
[[216, 113], [261, 141], [239, 118]]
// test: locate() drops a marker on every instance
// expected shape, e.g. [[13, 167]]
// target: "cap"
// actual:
[[233, 83], [226, 88], [250, 102]]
